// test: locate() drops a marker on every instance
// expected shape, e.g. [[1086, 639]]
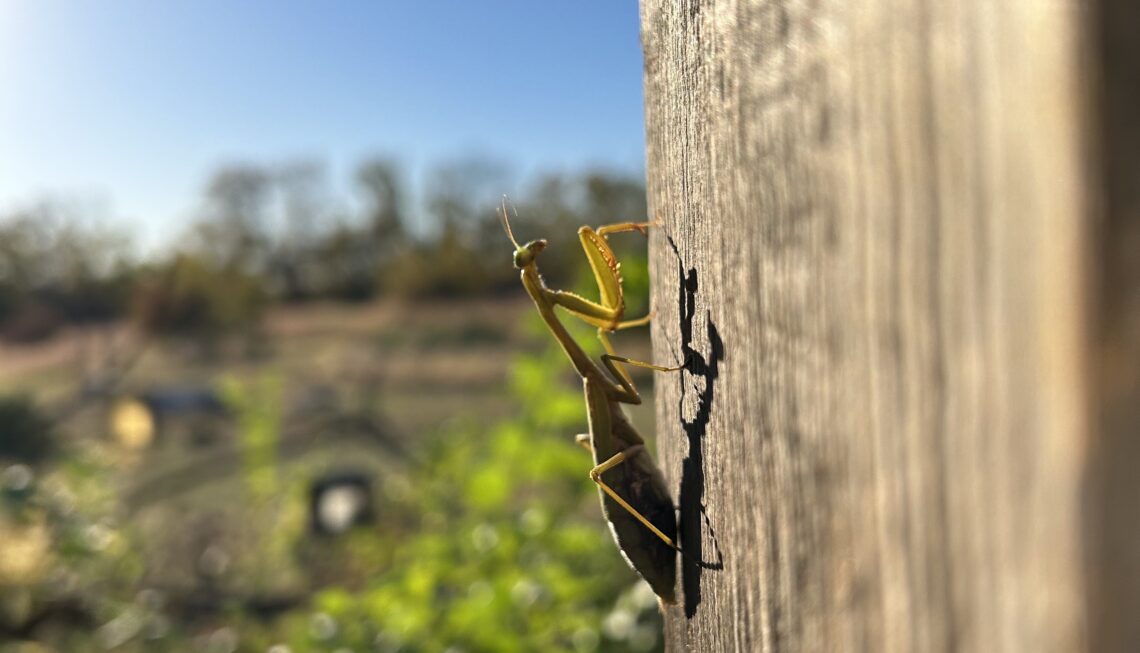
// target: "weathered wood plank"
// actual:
[[1112, 518], [880, 213]]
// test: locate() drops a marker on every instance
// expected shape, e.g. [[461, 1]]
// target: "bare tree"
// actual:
[[305, 211], [462, 192], [234, 231], [305, 200], [384, 194]]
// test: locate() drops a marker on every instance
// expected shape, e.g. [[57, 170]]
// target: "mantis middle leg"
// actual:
[[624, 390]]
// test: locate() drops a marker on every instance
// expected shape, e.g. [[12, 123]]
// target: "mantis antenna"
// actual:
[[506, 223]]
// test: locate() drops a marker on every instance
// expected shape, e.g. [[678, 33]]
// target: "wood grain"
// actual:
[[1112, 517], [875, 255]]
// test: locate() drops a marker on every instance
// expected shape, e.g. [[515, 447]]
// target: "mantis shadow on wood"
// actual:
[[692, 468]]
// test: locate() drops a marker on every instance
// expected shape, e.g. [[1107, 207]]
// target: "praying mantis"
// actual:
[[635, 499]]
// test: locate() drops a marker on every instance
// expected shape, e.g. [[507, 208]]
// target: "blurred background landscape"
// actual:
[[268, 381]]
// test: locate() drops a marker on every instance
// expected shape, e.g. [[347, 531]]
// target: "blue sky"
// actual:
[[133, 103]]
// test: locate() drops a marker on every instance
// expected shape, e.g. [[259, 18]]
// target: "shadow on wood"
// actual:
[[693, 467]]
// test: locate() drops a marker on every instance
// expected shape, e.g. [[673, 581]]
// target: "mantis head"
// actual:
[[524, 254]]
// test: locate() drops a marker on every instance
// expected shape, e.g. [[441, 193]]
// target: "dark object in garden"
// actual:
[[197, 412], [25, 433], [338, 501]]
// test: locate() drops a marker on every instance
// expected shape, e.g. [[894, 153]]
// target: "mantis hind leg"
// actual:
[[617, 459], [614, 461]]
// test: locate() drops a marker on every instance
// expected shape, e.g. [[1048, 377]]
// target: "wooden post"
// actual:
[[881, 253], [1112, 515]]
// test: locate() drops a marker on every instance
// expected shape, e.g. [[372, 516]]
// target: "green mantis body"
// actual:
[[635, 499]]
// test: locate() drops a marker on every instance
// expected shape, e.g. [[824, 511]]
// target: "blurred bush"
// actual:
[[259, 410], [56, 269], [493, 542], [446, 268], [26, 435], [506, 549], [268, 234], [190, 297]]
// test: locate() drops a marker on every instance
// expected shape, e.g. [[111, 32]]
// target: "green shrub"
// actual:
[[508, 550]]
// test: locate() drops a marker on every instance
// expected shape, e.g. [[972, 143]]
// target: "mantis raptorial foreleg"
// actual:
[[606, 314], [615, 460], [619, 227], [594, 313]]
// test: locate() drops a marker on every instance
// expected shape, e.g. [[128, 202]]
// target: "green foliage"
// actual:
[[493, 541], [258, 408], [66, 550], [508, 550]]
